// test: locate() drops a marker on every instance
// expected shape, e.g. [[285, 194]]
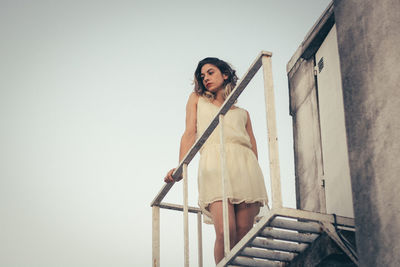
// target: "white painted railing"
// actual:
[[263, 59]]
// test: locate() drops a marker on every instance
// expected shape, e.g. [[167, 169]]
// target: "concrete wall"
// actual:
[[368, 38]]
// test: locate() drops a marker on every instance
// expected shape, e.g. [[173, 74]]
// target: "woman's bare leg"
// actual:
[[215, 209], [245, 214]]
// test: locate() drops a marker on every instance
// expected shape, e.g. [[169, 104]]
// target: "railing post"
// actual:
[[272, 133], [223, 183], [200, 240], [185, 215], [156, 236]]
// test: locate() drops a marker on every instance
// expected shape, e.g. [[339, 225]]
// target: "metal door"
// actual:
[[336, 173]]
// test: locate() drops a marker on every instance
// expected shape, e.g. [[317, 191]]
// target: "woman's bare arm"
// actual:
[[249, 130], [189, 135]]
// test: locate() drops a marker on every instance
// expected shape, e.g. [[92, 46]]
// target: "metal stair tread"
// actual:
[[276, 240], [267, 254]]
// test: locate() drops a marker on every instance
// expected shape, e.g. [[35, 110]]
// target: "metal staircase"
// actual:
[[283, 233]]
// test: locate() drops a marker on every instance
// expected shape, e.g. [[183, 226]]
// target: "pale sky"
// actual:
[[92, 102]]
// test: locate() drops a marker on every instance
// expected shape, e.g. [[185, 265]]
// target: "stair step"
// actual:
[[280, 236], [278, 245], [267, 254], [246, 261], [310, 227], [294, 236]]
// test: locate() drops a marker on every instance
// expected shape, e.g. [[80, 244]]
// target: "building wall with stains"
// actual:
[[316, 106], [368, 37]]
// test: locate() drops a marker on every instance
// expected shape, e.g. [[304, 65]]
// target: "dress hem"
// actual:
[[207, 215]]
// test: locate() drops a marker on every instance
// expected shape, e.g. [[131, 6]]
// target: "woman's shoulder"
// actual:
[[193, 99], [235, 106], [244, 111], [194, 96], [247, 113]]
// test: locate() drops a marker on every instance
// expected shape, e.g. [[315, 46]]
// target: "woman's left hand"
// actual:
[[168, 178]]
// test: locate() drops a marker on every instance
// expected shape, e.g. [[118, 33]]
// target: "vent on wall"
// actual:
[[320, 64]]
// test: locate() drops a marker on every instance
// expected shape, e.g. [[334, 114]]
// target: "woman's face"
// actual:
[[212, 78]]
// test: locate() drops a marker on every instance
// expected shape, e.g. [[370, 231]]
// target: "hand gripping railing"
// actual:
[[264, 59]]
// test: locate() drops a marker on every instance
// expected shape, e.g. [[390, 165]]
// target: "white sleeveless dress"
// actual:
[[245, 179]]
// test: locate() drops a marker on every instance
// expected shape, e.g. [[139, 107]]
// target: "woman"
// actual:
[[214, 81]]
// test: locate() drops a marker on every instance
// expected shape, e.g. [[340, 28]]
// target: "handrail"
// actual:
[[263, 59], [214, 123]]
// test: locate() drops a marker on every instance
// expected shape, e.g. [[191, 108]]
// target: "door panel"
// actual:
[[336, 173]]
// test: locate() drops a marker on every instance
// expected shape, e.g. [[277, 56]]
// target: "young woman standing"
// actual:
[[214, 81]]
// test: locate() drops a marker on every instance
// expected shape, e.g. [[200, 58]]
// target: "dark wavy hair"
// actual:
[[224, 67]]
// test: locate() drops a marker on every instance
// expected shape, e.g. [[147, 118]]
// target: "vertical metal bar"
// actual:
[[272, 133], [200, 240], [185, 216], [223, 183], [156, 236]]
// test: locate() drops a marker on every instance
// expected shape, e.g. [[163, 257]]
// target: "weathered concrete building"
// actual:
[[316, 105], [368, 40], [321, 157], [344, 100]]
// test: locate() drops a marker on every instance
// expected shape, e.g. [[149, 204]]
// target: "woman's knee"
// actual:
[[244, 225], [245, 218], [220, 231], [217, 216]]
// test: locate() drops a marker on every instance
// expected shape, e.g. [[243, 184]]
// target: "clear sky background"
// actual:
[[92, 108]]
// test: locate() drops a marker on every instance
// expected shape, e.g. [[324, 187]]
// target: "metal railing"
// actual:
[[263, 59]]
